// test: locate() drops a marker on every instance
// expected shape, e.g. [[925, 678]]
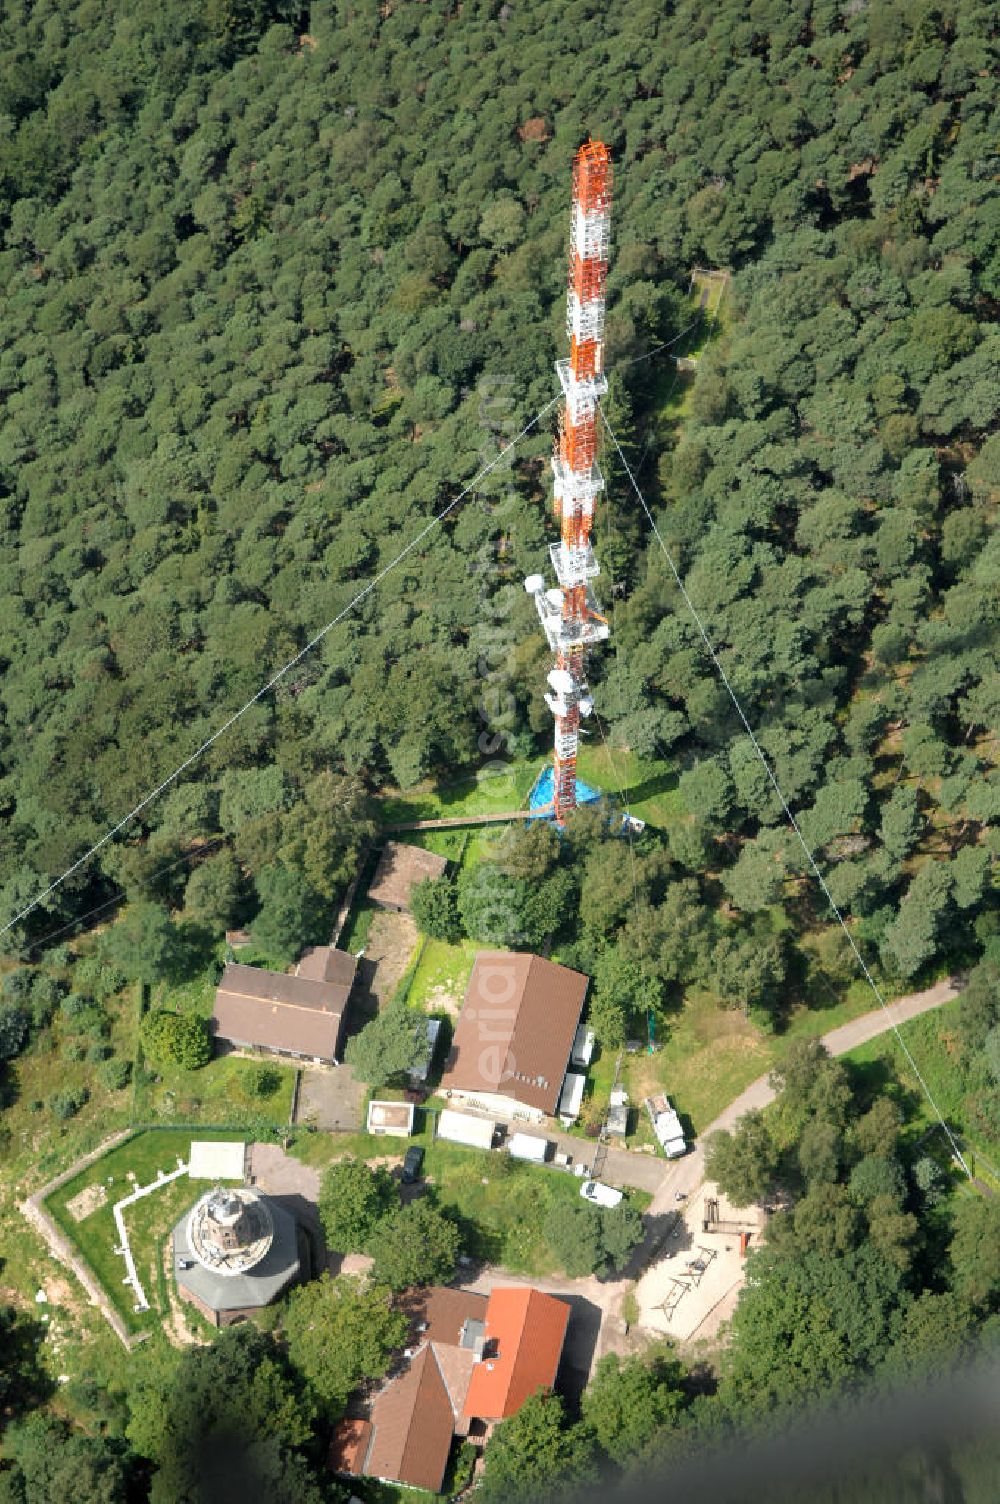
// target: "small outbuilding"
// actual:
[[571, 1097], [463, 1128], [392, 1118], [399, 868], [617, 1121]]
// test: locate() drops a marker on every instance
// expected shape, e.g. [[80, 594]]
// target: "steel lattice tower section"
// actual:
[[569, 614]]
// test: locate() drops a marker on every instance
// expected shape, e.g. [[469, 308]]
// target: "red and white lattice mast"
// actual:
[[569, 614]]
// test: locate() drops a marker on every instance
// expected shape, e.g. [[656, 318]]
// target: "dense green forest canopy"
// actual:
[[277, 282]]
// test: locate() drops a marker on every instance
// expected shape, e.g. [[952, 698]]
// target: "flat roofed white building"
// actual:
[[217, 1159], [394, 1118], [461, 1128]]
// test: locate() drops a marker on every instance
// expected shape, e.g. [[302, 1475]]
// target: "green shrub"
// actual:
[[261, 1081], [176, 1039], [17, 984], [66, 1104], [115, 1073], [46, 993], [96, 979]]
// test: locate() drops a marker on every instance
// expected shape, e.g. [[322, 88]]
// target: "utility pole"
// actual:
[[569, 613]]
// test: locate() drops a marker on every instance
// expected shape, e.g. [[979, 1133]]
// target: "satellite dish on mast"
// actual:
[[534, 584], [561, 681]]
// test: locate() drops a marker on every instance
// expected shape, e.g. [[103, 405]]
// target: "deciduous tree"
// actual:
[[628, 1404], [388, 1047], [743, 1163], [536, 1456], [337, 1332], [415, 1245], [353, 1198]]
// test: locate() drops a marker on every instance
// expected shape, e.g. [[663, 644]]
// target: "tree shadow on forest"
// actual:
[[871, 1079], [10, 1086], [196, 950], [660, 783], [21, 1337]]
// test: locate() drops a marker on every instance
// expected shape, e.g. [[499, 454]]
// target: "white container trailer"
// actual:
[[527, 1146], [462, 1128], [666, 1126]]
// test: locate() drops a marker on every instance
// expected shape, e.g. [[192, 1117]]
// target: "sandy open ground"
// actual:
[[693, 1286]]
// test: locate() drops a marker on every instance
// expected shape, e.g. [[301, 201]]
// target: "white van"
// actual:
[[599, 1194]]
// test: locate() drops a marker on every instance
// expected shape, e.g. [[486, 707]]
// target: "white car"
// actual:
[[598, 1194]]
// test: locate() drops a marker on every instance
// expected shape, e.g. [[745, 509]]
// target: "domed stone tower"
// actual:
[[230, 1230], [234, 1252]]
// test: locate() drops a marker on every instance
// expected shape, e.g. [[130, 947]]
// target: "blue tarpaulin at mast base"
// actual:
[[541, 796]]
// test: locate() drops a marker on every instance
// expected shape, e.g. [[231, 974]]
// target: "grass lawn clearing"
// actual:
[[449, 843], [319, 1149], [711, 1053], [932, 1039], [651, 785], [501, 1203], [354, 935], [223, 1091], [498, 788], [148, 1221], [441, 975]]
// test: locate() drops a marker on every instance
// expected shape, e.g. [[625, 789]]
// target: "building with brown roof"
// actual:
[[440, 1314], [399, 867], [473, 1358], [301, 1016], [324, 963], [514, 1036], [522, 1346], [415, 1418]]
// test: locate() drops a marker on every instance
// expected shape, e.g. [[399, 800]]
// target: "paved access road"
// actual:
[[686, 1174], [629, 1167]]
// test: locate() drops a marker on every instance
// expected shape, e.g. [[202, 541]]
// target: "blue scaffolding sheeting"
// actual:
[[542, 794]]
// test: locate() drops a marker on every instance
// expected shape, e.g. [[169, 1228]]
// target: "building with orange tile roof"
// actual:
[[523, 1343], [474, 1359]]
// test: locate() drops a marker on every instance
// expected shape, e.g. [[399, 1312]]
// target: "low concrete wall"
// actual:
[[34, 1212]]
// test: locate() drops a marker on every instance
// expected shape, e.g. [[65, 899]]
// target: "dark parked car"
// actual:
[[411, 1164]]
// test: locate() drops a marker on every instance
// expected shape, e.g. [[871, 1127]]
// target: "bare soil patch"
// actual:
[[389, 949], [90, 1199], [392, 940], [330, 1098], [441, 999]]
